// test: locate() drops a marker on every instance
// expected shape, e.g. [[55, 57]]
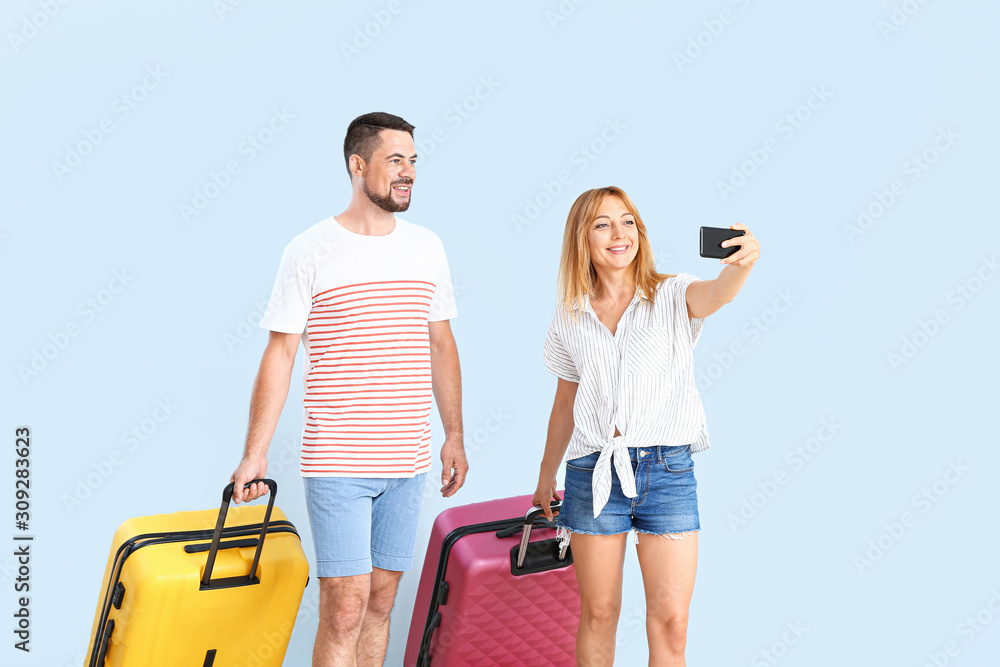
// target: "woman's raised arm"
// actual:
[[704, 297]]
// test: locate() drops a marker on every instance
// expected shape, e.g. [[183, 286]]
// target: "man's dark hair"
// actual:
[[362, 134]]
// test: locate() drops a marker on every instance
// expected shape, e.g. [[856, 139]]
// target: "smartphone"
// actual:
[[711, 239]]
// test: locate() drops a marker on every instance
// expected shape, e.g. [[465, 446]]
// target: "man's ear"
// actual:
[[357, 166]]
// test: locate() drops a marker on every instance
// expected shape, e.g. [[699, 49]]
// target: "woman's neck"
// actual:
[[615, 286]]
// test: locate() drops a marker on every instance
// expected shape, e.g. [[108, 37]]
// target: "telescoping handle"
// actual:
[[529, 521], [227, 496]]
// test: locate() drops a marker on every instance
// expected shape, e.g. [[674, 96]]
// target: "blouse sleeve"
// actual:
[[557, 357], [692, 326]]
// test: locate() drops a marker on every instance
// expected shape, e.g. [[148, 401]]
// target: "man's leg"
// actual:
[[340, 512], [394, 532], [343, 603], [374, 636]]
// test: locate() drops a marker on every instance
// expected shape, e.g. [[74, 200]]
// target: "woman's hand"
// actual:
[[545, 494], [749, 247], [704, 297]]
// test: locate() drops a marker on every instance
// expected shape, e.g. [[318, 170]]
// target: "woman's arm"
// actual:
[[556, 442], [704, 297]]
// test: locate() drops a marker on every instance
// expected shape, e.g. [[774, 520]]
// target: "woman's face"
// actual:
[[613, 237]]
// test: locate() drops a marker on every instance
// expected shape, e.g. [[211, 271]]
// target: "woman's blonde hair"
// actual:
[[577, 276]]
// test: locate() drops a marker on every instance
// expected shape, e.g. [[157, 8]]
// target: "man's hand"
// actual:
[[249, 469], [454, 466]]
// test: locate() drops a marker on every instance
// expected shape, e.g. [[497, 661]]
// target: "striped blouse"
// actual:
[[641, 379]]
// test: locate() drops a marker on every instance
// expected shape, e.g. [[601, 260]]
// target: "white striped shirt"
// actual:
[[641, 380], [362, 304]]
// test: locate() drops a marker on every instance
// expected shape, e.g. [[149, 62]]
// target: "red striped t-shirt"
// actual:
[[363, 304]]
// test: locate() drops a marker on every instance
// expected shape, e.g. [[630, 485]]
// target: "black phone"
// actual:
[[711, 239]]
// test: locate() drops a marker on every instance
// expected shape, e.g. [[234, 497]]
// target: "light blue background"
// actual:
[[164, 336]]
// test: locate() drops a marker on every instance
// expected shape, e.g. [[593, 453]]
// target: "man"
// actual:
[[370, 296]]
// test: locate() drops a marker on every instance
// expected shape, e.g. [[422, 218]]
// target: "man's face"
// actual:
[[388, 176]]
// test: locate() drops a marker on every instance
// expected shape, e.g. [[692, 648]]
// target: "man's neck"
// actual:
[[364, 217]]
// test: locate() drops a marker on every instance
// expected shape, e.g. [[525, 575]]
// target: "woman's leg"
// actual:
[[668, 565], [598, 561]]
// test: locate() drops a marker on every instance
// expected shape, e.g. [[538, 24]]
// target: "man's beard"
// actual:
[[386, 202]]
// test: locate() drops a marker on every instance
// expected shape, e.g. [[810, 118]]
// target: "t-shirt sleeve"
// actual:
[[693, 326], [443, 305], [291, 298], [557, 358]]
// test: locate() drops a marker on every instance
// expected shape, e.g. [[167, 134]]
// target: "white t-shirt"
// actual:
[[362, 304]]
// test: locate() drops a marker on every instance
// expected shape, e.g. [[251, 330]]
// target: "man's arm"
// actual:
[[270, 389], [446, 380]]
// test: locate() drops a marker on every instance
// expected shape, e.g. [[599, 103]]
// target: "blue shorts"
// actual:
[[666, 499], [360, 522]]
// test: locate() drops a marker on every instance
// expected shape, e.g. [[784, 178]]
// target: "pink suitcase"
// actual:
[[476, 605]]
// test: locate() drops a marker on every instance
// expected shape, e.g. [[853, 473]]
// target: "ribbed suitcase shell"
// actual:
[[165, 620], [491, 617]]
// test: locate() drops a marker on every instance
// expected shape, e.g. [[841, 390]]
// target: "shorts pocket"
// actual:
[[649, 351], [584, 463], [678, 459]]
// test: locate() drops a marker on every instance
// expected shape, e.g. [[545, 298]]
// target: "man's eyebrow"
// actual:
[[389, 157]]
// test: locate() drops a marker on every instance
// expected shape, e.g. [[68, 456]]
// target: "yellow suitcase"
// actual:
[[187, 590]]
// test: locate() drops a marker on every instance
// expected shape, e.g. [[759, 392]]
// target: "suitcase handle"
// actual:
[[529, 521], [227, 496], [516, 530]]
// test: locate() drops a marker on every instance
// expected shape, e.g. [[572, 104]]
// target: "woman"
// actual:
[[627, 407]]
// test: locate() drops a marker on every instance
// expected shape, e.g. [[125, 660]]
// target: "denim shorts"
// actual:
[[666, 499], [360, 522]]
